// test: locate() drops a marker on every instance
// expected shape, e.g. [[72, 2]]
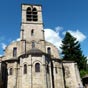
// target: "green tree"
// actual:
[[71, 51]]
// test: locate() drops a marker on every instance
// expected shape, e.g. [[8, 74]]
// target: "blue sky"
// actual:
[[59, 16]]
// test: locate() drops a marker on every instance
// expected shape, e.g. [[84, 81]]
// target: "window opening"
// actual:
[[56, 69], [25, 69], [10, 71], [37, 67], [35, 16], [47, 68], [49, 50], [32, 32], [14, 51], [33, 44], [29, 14]]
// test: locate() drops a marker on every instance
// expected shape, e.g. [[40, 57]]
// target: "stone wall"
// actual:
[[58, 74], [72, 76]]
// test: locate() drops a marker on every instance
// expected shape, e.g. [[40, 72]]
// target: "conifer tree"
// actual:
[[71, 51]]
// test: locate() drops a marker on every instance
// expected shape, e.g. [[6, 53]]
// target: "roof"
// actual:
[[34, 51], [68, 61], [31, 4], [11, 59]]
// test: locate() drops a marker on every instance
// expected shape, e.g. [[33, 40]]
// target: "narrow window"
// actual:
[[49, 50], [47, 69], [10, 71], [29, 14], [33, 44], [25, 69], [35, 16], [37, 67], [14, 51], [32, 32], [56, 70]]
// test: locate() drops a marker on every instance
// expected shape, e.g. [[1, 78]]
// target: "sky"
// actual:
[[59, 16]]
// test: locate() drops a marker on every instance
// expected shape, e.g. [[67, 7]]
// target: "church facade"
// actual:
[[33, 62]]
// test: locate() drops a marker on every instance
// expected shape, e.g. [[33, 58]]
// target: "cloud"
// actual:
[[1, 55], [3, 45], [58, 29], [53, 36], [18, 39], [87, 59], [77, 34]]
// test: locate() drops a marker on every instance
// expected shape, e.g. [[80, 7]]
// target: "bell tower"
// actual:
[[32, 24]]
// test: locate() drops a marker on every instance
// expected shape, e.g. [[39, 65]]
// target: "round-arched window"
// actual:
[[35, 17], [29, 14], [37, 67], [25, 69], [49, 50]]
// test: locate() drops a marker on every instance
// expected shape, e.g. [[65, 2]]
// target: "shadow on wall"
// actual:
[[1, 81], [85, 81], [4, 75]]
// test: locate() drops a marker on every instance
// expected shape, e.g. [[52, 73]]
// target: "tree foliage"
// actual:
[[83, 73], [71, 51]]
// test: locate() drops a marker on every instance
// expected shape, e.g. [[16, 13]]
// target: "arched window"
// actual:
[[32, 32], [14, 51], [37, 67], [49, 50], [25, 69], [10, 71], [29, 14], [33, 44], [35, 16]]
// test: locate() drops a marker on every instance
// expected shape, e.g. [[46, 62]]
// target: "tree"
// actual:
[[71, 51]]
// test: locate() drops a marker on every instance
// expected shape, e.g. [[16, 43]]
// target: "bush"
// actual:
[[83, 73]]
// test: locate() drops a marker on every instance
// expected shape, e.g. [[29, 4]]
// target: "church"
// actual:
[[33, 62]]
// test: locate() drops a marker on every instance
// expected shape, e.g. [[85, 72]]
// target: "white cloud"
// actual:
[[77, 34], [3, 45], [1, 55], [58, 29], [13, 41], [53, 37], [18, 39], [87, 59]]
